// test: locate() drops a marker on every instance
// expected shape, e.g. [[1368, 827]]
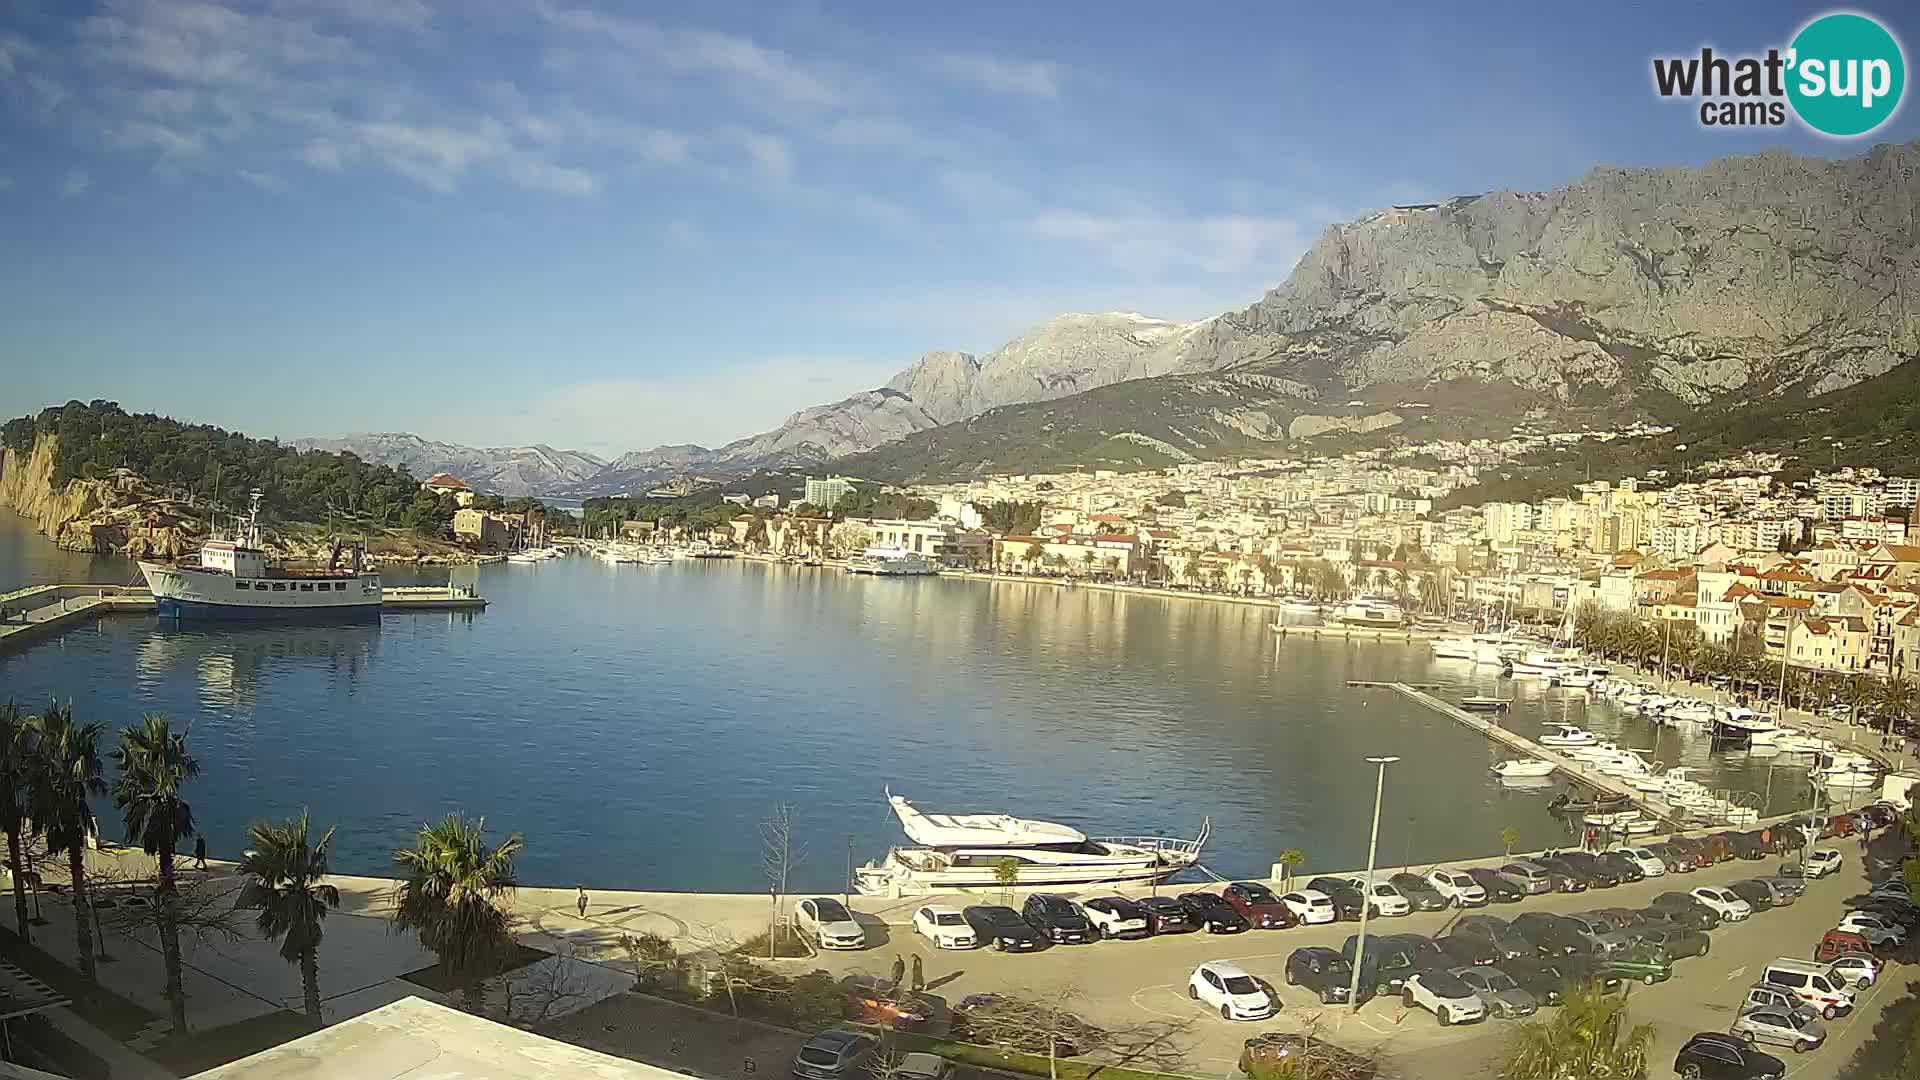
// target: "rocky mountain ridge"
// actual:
[[506, 470]]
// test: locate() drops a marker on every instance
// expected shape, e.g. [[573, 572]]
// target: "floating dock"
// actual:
[[1362, 633], [1571, 767]]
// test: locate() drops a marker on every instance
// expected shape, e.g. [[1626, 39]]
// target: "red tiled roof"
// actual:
[[446, 480]]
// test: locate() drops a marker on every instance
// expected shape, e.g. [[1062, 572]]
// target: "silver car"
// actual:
[[1780, 1027], [1503, 995]]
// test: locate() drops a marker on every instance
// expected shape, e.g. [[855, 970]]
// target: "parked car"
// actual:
[[1500, 992], [1640, 962], [1547, 985], [1418, 891], [1597, 873], [828, 923], [874, 999], [1347, 902], [1901, 911], [1529, 876], [1059, 918], [1687, 909], [1325, 972], [1676, 941], [1725, 903], [1274, 1047], [1002, 928], [1721, 844], [1498, 933], [1625, 866], [1792, 886], [835, 1055], [1894, 887], [1756, 894], [1877, 930], [946, 927], [920, 1065], [1467, 950], [1387, 962], [1749, 845], [1500, 888], [1779, 894], [1819, 863], [1765, 995], [1816, 984], [1166, 915], [1229, 990], [1450, 1000], [1648, 860], [1673, 859], [1548, 934], [1384, 899], [1458, 888], [1580, 967], [1116, 917], [1311, 905], [1780, 1027], [1838, 825], [1696, 848], [1713, 1055], [1211, 913], [1837, 943], [1566, 878], [1259, 906], [1863, 969]]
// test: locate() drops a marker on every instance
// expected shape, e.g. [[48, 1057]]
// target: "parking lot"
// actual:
[[1117, 982]]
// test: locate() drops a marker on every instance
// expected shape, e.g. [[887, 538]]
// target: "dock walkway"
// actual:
[[1573, 768]]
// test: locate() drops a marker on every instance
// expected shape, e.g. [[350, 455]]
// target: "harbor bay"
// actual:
[[636, 723]]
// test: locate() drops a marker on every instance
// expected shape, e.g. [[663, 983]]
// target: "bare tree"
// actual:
[[1044, 1023], [779, 857], [1278, 1055], [202, 908], [545, 991], [654, 960]]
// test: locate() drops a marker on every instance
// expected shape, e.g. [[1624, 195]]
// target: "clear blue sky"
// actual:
[[610, 225]]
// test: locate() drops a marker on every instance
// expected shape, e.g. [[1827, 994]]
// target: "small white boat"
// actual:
[[1518, 767], [522, 558], [1453, 648], [1642, 827], [1566, 735]]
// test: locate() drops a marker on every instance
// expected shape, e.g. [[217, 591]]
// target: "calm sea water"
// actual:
[[636, 723]]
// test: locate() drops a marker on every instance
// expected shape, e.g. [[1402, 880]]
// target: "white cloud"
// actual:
[[263, 181], [323, 155], [208, 44], [537, 175], [1002, 75], [771, 155], [433, 156], [979, 188], [148, 135], [740, 60], [710, 405], [1149, 241], [75, 184], [685, 236], [411, 14]]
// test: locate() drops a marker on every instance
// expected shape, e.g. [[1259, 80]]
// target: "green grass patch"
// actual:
[[993, 1057], [99, 1006], [198, 1051]]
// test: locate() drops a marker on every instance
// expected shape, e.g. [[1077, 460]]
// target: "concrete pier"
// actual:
[[1353, 633], [1568, 766]]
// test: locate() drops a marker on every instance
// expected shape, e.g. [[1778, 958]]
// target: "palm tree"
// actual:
[[154, 764], [1857, 693], [455, 898], [1897, 699], [1587, 1037], [16, 758], [1291, 859], [67, 773], [284, 875]]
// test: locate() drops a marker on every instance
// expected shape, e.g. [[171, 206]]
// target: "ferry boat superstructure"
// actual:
[[236, 579], [1372, 613], [964, 851], [890, 562]]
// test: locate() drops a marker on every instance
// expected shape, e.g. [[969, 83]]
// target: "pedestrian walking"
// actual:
[[580, 902], [200, 852], [899, 969], [919, 974]]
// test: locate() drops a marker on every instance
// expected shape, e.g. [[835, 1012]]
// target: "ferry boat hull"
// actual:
[[172, 608]]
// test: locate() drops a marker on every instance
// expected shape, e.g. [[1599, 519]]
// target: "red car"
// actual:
[[1838, 825], [1261, 908]]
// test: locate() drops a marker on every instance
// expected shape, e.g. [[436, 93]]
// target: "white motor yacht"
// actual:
[[1453, 648], [1521, 767], [1566, 735], [964, 851]]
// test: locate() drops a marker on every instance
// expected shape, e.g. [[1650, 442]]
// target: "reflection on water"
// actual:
[[636, 722]]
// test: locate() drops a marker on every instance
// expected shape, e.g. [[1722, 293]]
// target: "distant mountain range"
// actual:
[[1631, 293], [501, 470]]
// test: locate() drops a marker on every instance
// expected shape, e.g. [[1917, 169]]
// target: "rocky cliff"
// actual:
[[88, 515]]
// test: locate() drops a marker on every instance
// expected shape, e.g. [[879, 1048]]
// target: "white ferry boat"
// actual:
[[891, 561], [963, 851], [1370, 613], [237, 580]]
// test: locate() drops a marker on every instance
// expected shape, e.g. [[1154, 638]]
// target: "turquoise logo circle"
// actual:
[[1847, 75]]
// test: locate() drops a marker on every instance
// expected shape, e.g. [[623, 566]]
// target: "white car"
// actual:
[[829, 923], [1876, 929], [1450, 1000], [1230, 991], [1457, 888], [1646, 860], [1116, 916], [1386, 900], [1724, 903], [1823, 861], [1313, 906], [944, 926], [1862, 970]]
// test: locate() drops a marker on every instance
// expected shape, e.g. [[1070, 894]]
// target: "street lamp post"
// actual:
[[1366, 899], [846, 887]]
